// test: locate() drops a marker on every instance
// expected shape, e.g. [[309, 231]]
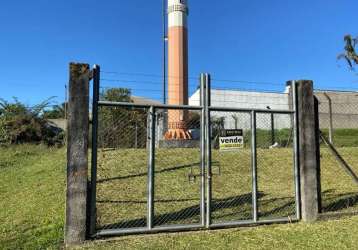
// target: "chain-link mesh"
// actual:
[[123, 162], [177, 179], [232, 175], [122, 168], [338, 118], [275, 166]]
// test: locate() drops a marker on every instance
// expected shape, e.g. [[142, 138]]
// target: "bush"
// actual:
[[22, 124]]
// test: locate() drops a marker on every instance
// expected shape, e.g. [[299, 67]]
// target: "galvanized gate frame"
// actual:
[[206, 163]]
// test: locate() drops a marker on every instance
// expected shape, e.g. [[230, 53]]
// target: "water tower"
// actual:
[[177, 69]]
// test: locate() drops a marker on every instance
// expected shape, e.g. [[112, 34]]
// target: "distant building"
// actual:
[[344, 107], [247, 100], [58, 123], [144, 101]]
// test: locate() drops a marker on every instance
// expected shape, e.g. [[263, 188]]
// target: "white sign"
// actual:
[[231, 139]]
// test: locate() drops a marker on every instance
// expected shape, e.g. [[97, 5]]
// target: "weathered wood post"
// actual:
[[77, 154], [308, 157]]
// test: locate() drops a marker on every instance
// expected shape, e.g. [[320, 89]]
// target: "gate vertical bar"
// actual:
[[273, 139], [254, 167], [151, 162], [96, 83], [208, 148], [202, 149], [296, 151]]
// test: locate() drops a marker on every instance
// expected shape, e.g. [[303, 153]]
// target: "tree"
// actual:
[[194, 120], [350, 54], [121, 127], [116, 95]]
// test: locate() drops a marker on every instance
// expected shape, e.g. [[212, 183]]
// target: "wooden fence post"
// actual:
[[77, 154], [308, 157]]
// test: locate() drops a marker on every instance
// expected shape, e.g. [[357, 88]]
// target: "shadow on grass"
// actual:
[[145, 173], [281, 207], [143, 201], [275, 208], [190, 213], [234, 208], [338, 202], [223, 209]]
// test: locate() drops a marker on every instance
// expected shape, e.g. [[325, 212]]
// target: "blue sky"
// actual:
[[252, 40]]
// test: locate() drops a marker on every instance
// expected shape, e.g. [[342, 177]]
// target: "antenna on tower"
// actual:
[[165, 38]]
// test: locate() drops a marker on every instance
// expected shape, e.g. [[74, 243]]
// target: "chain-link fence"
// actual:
[[122, 168], [178, 173], [233, 182], [275, 164], [338, 113], [232, 170]]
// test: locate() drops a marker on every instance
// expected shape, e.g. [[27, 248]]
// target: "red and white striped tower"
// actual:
[[177, 69]]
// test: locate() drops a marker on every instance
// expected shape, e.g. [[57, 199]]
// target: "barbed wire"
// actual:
[[192, 78], [214, 79], [251, 90], [146, 75], [140, 90], [146, 82], [339, 89]]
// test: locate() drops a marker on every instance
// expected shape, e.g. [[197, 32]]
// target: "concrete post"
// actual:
[[77, 154], [318, 154], [330, 113], [308, 161]]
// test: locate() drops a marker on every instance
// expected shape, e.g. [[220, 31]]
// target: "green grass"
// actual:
[[344, 137], [32, 184], [122, 189], [335, 234], [177, 199]]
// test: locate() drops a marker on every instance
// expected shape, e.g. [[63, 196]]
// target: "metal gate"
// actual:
[[141, 183]]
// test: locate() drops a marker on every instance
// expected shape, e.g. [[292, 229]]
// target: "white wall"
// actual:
[[249, 100]]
